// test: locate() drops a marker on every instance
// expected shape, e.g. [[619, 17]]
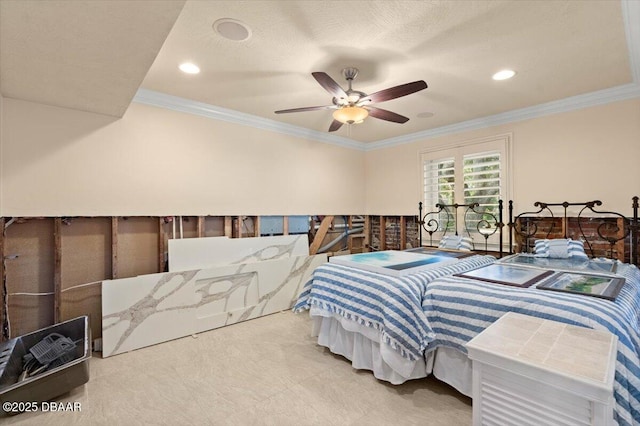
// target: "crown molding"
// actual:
[[175, 103], [600, 97], [630, 16]]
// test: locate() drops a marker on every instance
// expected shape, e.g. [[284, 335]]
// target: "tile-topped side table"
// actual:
[[532, 371]]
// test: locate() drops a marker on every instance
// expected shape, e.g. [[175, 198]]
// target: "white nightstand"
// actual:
[[531, 371]]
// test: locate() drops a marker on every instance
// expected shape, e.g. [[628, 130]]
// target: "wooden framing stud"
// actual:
[[161, 245], [256, 226], [322, 232], [228, 226], [57, 268], [237, 226], [367, 233], [114, 247], [200, 227], [383, 233]]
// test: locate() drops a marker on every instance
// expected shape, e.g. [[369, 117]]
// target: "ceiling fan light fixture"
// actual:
[[348, 105], [351, 114]]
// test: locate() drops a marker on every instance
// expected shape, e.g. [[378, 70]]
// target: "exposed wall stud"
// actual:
[[367, 233], [228, 226], [256, 226], [320, 234], [383, 232], [57, 268], [237, 226], [162, 248], [200, 227], [114, 247]]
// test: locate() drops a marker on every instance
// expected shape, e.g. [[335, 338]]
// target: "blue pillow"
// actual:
[[560, 249], [456, 242]]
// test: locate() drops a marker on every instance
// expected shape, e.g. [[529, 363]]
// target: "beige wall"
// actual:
[[592, 153], [61, 162], [57, 162]]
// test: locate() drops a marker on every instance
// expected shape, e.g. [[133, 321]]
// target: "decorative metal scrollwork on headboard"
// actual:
[[516, 223], [485, 223], [430, 221], [612, 228], [607, 231]]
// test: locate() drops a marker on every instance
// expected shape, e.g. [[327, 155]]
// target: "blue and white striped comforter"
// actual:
[[392, 305], [457, 309]]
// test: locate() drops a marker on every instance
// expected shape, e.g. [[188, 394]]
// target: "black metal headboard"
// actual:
[[485, 224], [604, 233]]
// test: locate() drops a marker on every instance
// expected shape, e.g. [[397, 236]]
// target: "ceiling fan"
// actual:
[[352, 106]]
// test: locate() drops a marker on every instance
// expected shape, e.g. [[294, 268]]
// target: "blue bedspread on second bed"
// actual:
[[457, 309]]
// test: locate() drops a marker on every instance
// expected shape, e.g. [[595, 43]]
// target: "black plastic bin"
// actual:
[[49, 384]]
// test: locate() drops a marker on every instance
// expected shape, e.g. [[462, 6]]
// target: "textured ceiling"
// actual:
[[559, 49]]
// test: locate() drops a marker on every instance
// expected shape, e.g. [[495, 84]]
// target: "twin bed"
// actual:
[[407, 327]]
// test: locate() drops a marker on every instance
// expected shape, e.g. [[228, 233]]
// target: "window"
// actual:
[[439, 178], [472, 172], [482, 184]]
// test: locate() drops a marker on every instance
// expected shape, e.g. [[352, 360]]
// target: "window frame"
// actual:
[[501, 143]]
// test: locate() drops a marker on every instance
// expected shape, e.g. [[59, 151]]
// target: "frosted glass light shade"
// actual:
[[350, 114]]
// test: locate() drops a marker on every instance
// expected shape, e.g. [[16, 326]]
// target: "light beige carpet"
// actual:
[[267, 371]]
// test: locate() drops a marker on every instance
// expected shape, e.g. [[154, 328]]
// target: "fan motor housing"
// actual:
[[350, 73], [353, 97]]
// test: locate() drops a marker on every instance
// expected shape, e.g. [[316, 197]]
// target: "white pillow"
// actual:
[[560, 249], [456, 242]]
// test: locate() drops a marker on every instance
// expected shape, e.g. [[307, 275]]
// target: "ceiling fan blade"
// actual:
[[329, 84], [395, 92], [383, 114], [313, 108], [335, 125]]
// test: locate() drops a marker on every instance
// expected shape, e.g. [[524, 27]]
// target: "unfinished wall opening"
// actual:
[[85, 252], [29, 261], [54, 266], [137, 246]]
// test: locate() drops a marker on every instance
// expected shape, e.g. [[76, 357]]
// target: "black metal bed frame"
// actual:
[[606, 230], [488, 221]]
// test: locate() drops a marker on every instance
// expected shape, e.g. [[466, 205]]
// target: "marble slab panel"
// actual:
[[150, 309], [257, 289], [145, 310], [202, 253]]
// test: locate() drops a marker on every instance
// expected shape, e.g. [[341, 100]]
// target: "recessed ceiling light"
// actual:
[[504, 75], [426, 114], [189, 68], [232, 29]]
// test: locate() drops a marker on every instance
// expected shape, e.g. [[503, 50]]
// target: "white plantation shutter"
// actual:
[[439, 186], [472, 172], [482, 184]]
